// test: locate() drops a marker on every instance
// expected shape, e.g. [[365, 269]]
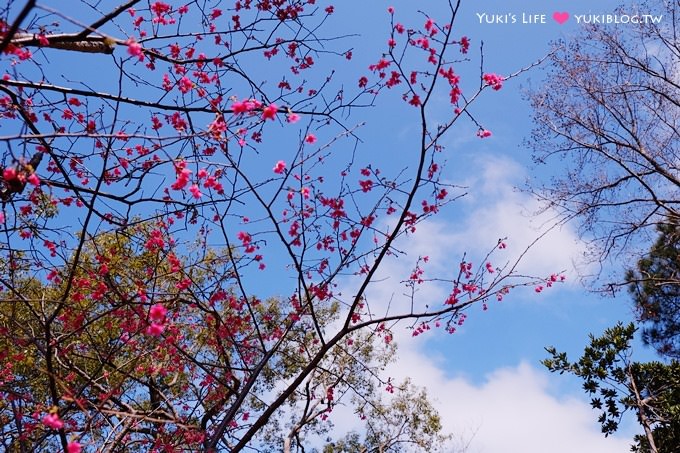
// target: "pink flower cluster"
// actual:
[[494, 81], [280, 167], [53, 421], [453, 80], [245, 106], [183, 174], [246, 239], [157, 314], [248, 105], [155, 242], [11, 174], [430, 26], [135, 49], [195, 191], [185, 85], [269, 112], [464, 44]]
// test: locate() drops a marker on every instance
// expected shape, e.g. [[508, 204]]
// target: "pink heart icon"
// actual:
[[561, 18]]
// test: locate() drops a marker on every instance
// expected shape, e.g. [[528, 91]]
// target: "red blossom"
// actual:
[[155, 329], [430, 26], [380, 65], [33, 179], [494, 81], [185, 84], [464, 44], [9, 174], [157, 312], [195, 191], [280, 167], [366, 185], [135, 49], [53, 421], [269, 112]]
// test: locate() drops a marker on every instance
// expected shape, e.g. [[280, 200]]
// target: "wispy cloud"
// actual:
[[496, 209]]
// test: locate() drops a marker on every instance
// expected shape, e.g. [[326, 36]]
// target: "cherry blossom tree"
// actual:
[[190, 233]]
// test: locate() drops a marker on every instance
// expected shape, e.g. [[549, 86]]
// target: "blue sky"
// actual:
[[487, 377], [490, 387]]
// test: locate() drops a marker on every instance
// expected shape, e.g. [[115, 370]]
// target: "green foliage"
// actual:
[[655, 287], [406, 422], [661, 384], [617, 385], [107, 367]]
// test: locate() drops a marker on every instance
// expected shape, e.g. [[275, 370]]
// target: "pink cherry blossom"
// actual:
[[494, 81], [310, 138], [9, 174], [33, 179], [135, 49], [195, 191], [280, 167], [185, 84], [155, 329], [157, 312], [53, 421], [239, 107], [269, 112]]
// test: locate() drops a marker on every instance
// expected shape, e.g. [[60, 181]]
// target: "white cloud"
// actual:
[[495, 209], [511, 411], [472, 228]]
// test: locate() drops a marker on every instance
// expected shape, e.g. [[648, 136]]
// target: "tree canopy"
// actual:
[[191, 225], [606, 121], [609, 114], [655, 287]]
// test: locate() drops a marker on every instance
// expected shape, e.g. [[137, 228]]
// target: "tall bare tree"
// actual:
[[608, 125]]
